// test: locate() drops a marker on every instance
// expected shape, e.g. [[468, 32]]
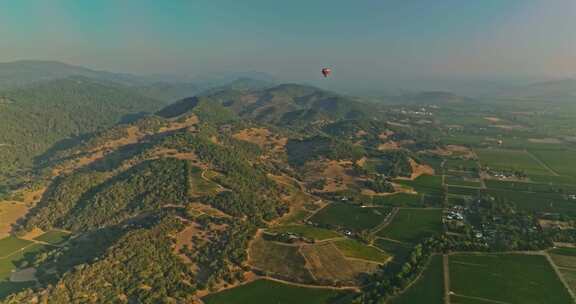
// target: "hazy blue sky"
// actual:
[[366, 42]]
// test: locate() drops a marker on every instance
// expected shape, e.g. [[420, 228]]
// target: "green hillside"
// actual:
[[35, 118]]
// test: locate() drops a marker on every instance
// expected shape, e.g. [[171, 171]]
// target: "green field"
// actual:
[[54, 237], [463, 191], [565, 251], [200, 185], [266, 291], [433, 161], [454, 299], [430, 184], [508, 278], [10, 263], [511, 159], [464, 140], [456, 200], [411, 225], [565, 260], [529, 187], [558, 160], [459, 181], [399, 200], [307, 231], [428, 289], [552, 179], [280, 260], [400, 251], [7, 264], [354, 249], [432, 200], [11, 244], [542, 202], [570, 277], [350, 216], [295, 217], [460, 165]]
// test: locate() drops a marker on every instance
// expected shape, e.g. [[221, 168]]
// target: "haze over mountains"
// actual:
[[58, 101], [287, 152], [51, 101], [237, 179], [563, 89], [129, 185], [44, 102], [48, 105], [26, 72]]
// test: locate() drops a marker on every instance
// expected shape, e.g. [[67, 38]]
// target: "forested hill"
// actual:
[[26, 72], [284, 105], [163, 209], [43, 103], [21, 74], [34, 118]]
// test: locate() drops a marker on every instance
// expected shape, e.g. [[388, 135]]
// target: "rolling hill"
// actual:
[[212, 165], [215, 194], [285, 105], [27, 72], [45, 102], [34, 118], [23, 73]]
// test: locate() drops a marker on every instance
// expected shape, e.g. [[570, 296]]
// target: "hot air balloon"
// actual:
[[326, 72]]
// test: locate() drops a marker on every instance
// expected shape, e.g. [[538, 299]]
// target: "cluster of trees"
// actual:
[[316, 147], [504, 227], [60, 198], [208, 109], [562, 235], [139, 268], [92, 199], [213, 113], [350, 129], [379, 184], [252, 193], [384, 284], [51, 264], [420, 138], [145, 187], [88, 142], [391, 163], [39, 116], [223, 257], [255, 207]]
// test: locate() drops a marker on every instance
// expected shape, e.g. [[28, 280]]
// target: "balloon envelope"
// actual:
[[326, 72]]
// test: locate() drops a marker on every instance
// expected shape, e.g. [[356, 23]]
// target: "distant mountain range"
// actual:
[[45, 102], [556, 89], [163, 87], [26, 72]]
